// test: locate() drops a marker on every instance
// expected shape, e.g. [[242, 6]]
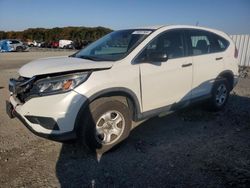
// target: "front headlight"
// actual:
[[59, 84]]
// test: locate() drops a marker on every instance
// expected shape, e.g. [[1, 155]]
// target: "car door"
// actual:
[[207, 62], [14, 44], [165, 83]]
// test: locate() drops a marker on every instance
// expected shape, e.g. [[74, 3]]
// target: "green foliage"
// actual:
[[55, 34]]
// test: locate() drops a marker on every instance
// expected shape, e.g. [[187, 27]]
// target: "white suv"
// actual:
[[128, 75]]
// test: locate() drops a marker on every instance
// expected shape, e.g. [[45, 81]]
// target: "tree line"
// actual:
[[55, 34]]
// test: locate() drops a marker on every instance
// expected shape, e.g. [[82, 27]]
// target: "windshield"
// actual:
[[113, 46]]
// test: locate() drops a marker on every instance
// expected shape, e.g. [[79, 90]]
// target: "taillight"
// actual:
[[235, 53]]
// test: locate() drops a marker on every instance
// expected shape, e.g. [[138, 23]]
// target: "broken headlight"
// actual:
[[59, 84]]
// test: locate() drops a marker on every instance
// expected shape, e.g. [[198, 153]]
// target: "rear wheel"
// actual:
[[220, 94], [108, 123], [19, 49]]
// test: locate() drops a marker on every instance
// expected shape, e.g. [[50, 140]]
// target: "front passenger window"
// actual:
[[169, 43]]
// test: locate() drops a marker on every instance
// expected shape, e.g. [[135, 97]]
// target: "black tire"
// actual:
[[19, 49], [217, 103], [94, 114]]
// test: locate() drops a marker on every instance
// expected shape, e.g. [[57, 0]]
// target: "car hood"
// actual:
[[60, 64]]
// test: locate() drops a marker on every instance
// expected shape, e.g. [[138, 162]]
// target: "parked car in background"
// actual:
[[39, 44], [44, 45], [127, 75], [54, 44], [64, 43], [31, 43], [5, 46], [81, 44], [69, 46], [17, 45], [9, 45]]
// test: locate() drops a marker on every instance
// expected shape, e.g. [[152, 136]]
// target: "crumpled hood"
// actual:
[[60, 64]]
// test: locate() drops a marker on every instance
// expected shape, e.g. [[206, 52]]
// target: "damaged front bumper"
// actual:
[[56, 137], [52, 117]]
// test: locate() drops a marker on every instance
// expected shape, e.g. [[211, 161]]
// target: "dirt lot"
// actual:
[[191, 148]]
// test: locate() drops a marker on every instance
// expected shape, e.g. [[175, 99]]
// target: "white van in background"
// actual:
[[64, 43]]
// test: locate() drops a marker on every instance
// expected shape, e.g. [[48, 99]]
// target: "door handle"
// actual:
[[186, 65], [218, 58]]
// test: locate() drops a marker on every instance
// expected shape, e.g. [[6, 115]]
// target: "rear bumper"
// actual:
[[236, 80]]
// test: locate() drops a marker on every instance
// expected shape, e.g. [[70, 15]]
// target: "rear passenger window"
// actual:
[[199, 42], [203, 42]]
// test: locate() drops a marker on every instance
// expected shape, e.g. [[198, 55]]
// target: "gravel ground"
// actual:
[[190, 148]]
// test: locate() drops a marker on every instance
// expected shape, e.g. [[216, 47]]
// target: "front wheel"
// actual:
[[108, 123], [220, 95]]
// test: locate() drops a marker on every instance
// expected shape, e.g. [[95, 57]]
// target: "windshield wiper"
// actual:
[[93, 58], [87, 57]]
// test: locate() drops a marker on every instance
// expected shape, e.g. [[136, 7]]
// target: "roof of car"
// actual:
[[172, 25], [154, 27]]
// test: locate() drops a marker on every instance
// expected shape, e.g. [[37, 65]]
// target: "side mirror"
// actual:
[[157, 57]]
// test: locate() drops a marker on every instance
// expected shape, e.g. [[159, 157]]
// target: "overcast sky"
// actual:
[[231, 16]]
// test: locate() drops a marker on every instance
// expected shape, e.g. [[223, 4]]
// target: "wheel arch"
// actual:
[[229, 76], [117, 92]]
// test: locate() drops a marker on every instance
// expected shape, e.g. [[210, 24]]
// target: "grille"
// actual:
[[21, 87]]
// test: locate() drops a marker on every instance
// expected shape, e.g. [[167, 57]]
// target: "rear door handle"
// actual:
[[186, 65], [218, 58]]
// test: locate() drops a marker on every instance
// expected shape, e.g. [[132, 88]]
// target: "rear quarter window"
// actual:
[[221, 42]]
